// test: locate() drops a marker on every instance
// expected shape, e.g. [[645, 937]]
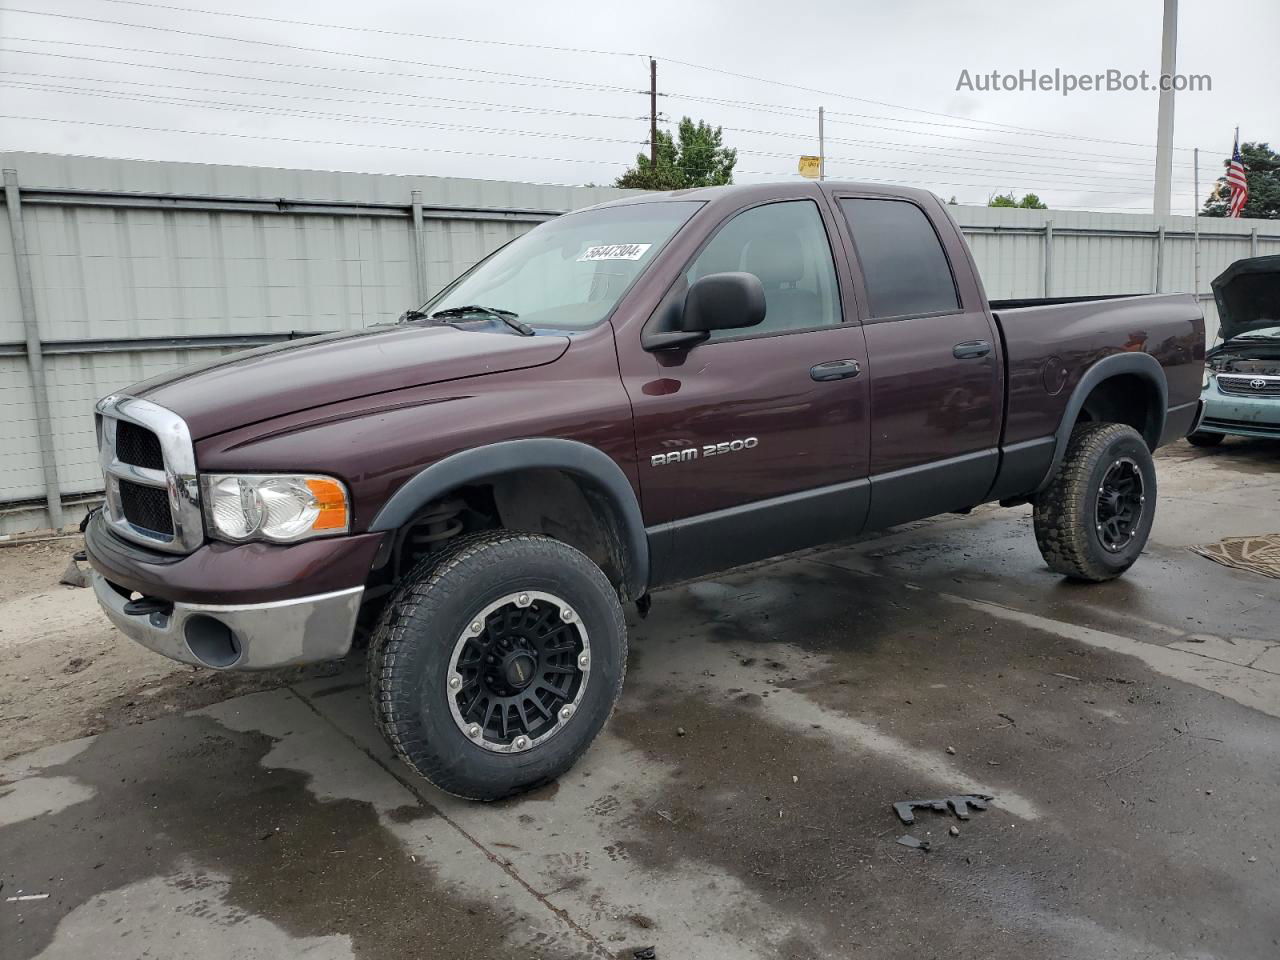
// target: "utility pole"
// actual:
[[1195, 214], [1164, 119], [822, 153], [653, 115]]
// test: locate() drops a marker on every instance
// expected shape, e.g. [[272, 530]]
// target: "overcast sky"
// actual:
[[380, 99]]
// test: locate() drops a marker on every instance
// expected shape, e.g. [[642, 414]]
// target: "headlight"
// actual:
[[1208, 376], [275, 507]]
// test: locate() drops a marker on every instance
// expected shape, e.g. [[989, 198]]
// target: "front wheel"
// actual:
[[497, 662], [1094, 518]]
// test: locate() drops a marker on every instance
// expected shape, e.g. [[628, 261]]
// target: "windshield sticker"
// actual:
[[616, 251]]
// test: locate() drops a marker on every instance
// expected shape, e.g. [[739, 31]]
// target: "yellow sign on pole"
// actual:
[[810, 167]]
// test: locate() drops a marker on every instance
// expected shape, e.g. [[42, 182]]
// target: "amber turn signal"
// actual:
[[331, 498]]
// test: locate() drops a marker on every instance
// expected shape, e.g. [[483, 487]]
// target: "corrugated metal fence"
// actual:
[[133, 268]]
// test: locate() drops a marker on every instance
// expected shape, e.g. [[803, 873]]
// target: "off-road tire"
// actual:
[[413, 643], [1199, 439], [1065, 511]]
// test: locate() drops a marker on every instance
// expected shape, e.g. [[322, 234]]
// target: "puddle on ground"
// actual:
[[188, 797]]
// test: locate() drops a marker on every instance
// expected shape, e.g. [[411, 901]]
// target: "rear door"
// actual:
[[935, 386], [754, 442]]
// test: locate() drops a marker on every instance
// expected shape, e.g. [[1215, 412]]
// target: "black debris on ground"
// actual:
[[958, 804]]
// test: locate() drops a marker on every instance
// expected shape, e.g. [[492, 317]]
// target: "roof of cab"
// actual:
[[740, 194]]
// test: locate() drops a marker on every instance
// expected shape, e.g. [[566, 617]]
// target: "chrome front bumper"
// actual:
[[248, 637], [1239, 415]]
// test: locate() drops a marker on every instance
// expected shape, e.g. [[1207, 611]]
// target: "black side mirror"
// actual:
[[723, 301], [718, 301]]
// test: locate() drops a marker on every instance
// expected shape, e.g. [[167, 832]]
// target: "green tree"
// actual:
[[1262, 171], [698, 158], [1029, 201]]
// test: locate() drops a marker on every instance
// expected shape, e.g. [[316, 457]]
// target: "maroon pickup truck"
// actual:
[[649, 390]]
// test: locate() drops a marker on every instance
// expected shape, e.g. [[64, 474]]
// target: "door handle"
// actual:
[[971, 350], [835, 370]]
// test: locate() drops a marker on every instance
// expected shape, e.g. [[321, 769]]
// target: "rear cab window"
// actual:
[[904, 266]]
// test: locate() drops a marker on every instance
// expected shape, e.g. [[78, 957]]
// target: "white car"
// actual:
[[1242, 373]]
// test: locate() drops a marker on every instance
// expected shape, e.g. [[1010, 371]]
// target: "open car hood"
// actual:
[[1248, 296]]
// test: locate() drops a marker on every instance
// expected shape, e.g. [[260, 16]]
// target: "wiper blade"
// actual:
[[511, 319]]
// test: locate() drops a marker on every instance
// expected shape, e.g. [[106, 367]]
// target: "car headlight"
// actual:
[[275, 507], [1208, 377]]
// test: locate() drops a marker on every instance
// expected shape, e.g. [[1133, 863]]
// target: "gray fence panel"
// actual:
[[20, 464], [141, 267]]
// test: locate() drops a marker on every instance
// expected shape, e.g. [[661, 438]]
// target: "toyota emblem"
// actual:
[[1257, 383]]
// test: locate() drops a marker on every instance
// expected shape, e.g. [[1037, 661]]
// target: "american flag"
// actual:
[[1236, 181]]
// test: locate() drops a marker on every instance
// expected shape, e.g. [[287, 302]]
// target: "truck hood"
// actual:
[[1248, 296], [255, 385]]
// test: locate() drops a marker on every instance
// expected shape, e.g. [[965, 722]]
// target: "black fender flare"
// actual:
[[581, 460], [1142, 365]]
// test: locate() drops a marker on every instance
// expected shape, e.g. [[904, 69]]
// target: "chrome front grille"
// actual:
[[149, 469], [1243, 385], [146, 508], [138, 446]]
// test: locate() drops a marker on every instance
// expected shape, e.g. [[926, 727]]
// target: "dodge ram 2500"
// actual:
[[635, 394]]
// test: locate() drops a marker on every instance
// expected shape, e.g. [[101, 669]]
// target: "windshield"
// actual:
[[569, 272]]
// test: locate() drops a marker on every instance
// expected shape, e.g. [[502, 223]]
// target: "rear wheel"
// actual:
[[497, 662], [1093, 520], [1201, 439]]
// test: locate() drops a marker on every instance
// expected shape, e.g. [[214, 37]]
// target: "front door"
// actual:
[[754, 442]]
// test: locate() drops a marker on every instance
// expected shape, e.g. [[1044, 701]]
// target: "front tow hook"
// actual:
[[146, 606]]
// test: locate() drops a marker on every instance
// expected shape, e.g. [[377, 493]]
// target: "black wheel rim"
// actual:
[[518, 672], [1120, 504]]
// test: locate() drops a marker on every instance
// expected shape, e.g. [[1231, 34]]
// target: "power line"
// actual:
[[897, 145], [374, 146], [472, 105], [1126, 176], [561, 82], [1043, 176], [1001, 127], [468, 153], [1029, 133], [275, 111], [303, 49], [617, 53], [799, 113], [453, 102], [398, 74], [440, 102], [1012, 129], [334, 143], [375, 30]]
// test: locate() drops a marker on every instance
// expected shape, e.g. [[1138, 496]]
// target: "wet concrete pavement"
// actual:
[[1129, 732]]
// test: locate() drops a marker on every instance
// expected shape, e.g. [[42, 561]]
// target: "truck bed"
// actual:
[[1050, 342]]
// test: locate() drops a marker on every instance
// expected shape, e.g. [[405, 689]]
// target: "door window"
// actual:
[[785, 245], [903, 263]]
